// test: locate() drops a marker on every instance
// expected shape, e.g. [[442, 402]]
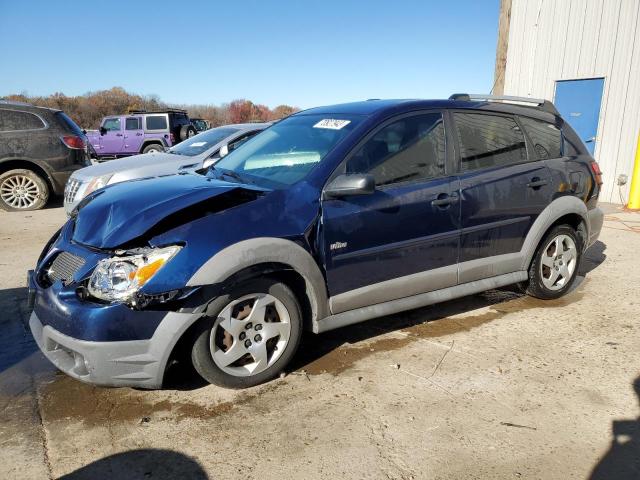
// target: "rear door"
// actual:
[[503, 189], [111, 137], [401, 240], [133, 134]]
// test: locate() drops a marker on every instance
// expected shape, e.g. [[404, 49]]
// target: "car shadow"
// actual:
[[16, 341], [140, 464], [622, 460]]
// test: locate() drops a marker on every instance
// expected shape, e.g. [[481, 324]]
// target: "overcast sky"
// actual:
[[302, 53]]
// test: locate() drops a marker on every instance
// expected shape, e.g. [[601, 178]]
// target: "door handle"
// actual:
[[138, 134], [536, 183], [118, 134], [444, 200]]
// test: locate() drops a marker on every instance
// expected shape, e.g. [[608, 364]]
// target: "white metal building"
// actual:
[[548, 48]]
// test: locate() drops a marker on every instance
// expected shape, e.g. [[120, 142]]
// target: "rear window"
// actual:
[[14, 120], [69, 124], [156, 122], [488, 140], [179, 119], [546, 138]]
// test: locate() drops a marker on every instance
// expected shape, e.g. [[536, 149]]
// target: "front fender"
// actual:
[[247, 253]]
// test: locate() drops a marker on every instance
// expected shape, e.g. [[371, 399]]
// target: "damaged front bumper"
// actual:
[[133, 363]]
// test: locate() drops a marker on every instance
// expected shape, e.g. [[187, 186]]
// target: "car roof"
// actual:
[[394, 106], [25, 106]]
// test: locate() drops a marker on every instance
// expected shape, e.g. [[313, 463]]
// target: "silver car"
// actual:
[[199, 151]]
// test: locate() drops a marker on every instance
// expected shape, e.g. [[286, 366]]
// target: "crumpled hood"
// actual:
[[117, 214]]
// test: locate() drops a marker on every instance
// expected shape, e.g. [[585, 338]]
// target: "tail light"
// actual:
[[595, 168], [172, 138], [73, 141]]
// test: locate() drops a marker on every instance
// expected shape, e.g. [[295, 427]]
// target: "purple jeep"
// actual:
[[140, 132]]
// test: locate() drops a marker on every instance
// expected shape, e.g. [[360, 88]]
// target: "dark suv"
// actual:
[[39, 149], [332, 216]]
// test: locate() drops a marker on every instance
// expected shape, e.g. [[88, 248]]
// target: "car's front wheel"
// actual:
[[249, 335], [555, 265]]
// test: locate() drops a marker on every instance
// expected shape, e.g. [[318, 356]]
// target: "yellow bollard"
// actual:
[[634, 190]]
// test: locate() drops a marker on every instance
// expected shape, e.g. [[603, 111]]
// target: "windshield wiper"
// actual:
[[173, 152], [230, 174]]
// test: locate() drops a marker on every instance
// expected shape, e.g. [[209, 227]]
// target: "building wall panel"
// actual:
[[551, 40]]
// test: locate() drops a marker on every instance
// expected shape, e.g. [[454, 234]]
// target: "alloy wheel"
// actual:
[[250, 334], [558, 263], [19, 191]]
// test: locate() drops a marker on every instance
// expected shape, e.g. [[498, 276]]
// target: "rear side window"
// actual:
[[488, 141], [68, 123], [14, 120], [408, 150], [546, 138], [112, 125], [156, 122], [132, 124]]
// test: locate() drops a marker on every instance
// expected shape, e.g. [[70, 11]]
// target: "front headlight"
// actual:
[[97, 183], [119, 278]]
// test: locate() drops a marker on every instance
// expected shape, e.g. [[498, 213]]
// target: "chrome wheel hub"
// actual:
[[559, 260], [250, 334], [19, 191]]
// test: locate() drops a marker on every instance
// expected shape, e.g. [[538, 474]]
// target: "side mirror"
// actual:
[[350, 184], [103, 131], [224, 151]]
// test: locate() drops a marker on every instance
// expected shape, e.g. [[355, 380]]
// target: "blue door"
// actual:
[[578, 101], [408, 227]]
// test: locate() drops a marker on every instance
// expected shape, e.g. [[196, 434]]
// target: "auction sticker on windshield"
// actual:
[[332, 124], [198, 144]]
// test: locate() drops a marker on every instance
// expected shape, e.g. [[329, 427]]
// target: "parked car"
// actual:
[[200, 124], [333, 216], [39, 149], [140, 132], [195, 153]]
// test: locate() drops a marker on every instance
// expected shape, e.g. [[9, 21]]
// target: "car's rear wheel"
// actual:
[[555, 265], [22, 190], [249, 335], [153, 147]]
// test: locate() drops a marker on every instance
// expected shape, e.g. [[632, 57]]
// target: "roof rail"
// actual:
[[540, 103], [4, 101], [162, 110]]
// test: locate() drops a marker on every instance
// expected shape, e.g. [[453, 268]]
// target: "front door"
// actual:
[[133, 134], [111, 137], [502, 190], [578, 101], [401, 240]]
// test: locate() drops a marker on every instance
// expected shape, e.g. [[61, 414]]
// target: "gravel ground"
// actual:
[[490, 386]]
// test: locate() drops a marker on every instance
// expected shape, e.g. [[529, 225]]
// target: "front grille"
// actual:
[[71, 190], [64, 267]]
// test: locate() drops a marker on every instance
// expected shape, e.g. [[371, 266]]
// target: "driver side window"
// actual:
[[111, 124], [409, 150]]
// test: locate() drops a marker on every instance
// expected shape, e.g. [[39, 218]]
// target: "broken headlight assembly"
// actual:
[[118, 278]]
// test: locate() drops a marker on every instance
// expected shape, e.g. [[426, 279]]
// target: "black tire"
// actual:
[[37, 187], [153, 147], [187, 131], [201, 354], [535, 285]]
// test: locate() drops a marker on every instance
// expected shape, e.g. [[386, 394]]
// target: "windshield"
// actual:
[[203, 141], [288, 151]]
